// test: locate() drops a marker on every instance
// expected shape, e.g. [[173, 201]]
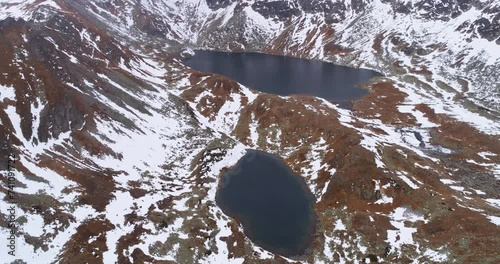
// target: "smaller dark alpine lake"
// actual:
[[273, 204], [285, 75]]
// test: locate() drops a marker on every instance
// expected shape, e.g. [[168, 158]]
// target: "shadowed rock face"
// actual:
[[46, 71], [433, 9], [446, 10], [282, 10], [486, 29], [216, 4]]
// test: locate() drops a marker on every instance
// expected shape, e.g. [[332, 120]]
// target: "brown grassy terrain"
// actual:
[[352, 185]]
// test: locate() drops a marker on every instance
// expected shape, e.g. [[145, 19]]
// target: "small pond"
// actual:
[[274, 205]]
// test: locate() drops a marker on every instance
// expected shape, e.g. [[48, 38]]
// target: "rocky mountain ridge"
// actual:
[[454, 39]]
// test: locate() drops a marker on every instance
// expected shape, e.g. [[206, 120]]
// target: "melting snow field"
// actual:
[[160, 139], [403, 234]]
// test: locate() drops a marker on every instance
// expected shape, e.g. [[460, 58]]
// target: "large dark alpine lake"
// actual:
[[273, 204], [285, 75]]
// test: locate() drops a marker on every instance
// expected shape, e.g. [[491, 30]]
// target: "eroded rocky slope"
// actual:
[[120, 145]]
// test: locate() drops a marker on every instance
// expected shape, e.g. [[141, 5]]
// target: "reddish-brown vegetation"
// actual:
[[381, 103], [88, 243]]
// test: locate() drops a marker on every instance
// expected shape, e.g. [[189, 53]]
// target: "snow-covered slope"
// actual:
[[456, 40], [101, 148], [119, 146]]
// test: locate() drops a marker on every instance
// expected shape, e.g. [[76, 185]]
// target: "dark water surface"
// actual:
[[285, 75], [273, 203]]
